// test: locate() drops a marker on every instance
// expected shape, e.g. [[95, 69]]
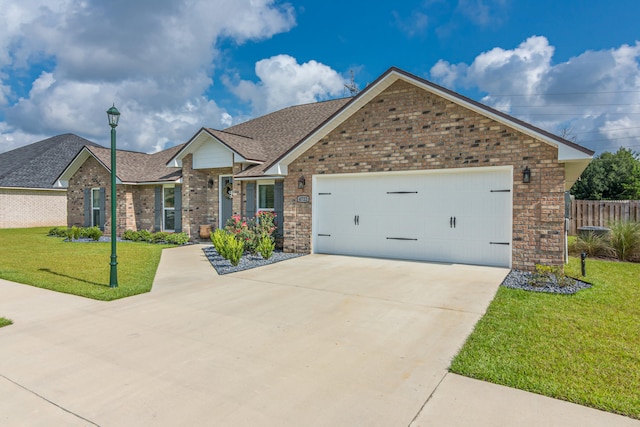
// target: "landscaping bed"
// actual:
[[525, 280], [248, 261]]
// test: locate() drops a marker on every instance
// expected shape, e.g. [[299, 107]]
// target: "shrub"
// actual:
[[545, 274], [594, 246], [265, 223], [228, 246], [58, 232], [159, 237], [265, 246], [93, 233], [218, 238], [234, 249], [145, 236], [625, 239], [177, 238], [73, 233], [131, 235], [251, 230], [243, 229]]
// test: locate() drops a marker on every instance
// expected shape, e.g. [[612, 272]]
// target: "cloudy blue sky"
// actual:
[[174, 66]]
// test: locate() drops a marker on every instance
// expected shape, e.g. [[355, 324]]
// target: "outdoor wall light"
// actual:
[[210, 183], [526, 175], [301, 182]]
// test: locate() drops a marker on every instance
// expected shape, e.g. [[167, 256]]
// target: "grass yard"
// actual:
[[31, 257], [583, 348], [5, 322]]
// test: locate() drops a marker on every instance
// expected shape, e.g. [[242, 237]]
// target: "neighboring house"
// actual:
[[27, 174], [406, 169]]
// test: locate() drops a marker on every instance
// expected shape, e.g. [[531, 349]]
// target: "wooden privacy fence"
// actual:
[[601, 212]]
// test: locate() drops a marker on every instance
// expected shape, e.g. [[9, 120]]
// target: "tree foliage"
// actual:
[[610, 176]]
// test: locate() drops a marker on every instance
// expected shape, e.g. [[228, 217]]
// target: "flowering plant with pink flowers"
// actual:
[[253, 231]]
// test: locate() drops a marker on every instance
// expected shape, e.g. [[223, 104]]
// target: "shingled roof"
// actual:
[[38, 165], [136, 167], [266, 138], [285, 128]]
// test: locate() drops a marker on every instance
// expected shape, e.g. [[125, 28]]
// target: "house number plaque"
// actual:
[[303, 199]]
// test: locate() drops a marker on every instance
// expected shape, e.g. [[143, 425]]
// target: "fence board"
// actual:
[[602, 212]]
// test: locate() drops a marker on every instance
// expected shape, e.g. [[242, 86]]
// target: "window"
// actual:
[[266, 196], [169, 208], [95, 207]]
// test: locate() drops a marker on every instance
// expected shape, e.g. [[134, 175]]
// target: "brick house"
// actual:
[[27, 174], [406, 169], [148, 192]]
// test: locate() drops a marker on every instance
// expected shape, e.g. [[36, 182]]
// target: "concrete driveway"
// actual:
[[314, 341]]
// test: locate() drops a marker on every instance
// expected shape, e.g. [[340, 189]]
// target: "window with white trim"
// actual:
[[266, 196], [95, 207], [168, 208]]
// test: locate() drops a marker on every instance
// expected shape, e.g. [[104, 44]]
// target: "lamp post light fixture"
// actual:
[[114, 115]]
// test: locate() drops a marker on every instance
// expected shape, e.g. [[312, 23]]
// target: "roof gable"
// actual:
[[131, 167], [568, 151], [262, 140], [37, 165], [215, 148]]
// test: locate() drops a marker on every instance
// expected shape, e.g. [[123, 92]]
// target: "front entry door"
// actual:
[[226, 200]]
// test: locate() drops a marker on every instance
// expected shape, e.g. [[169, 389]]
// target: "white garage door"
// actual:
[[459, 216]]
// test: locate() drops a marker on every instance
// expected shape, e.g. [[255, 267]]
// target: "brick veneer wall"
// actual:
[[90, 175], [141, 206], [407, 128], [32, 208], [200, 204], [136, 204]]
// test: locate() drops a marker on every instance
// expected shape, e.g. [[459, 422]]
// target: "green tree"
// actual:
[[610, 176]]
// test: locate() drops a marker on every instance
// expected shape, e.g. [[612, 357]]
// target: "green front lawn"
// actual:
[[5, 322], [30, 256], [583, 348]]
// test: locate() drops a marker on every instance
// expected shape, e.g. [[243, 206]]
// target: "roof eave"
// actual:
[[164, 181], [33, 188]]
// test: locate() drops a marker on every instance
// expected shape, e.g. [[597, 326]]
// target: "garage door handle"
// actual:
[[454, 222], [356, 220], [450, 222]]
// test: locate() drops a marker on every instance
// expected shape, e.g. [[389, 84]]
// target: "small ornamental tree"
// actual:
[[252, 230]]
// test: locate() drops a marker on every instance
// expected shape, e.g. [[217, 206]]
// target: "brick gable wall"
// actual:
[[136, 204], [407, 128]]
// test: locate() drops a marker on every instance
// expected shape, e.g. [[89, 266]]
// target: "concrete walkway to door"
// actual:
[[314, 341]]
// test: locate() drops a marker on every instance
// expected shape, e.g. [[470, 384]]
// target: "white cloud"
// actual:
[[284, 82], [590, 93], [414, 25], [154, 59], [483, 12]]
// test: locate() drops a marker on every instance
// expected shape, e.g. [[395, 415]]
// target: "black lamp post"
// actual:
[[114, 116]]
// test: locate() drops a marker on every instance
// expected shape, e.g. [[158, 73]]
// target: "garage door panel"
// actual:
[[442, 216]]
